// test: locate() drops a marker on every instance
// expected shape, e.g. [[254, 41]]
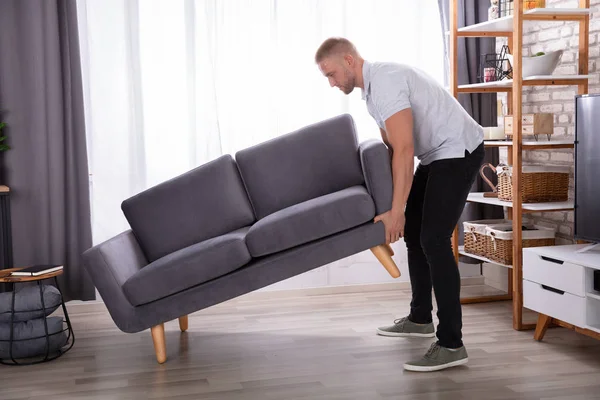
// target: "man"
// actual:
[[418, 117]]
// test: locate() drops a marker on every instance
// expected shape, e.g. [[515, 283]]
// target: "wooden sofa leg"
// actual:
[[384, 254], [389, 249], [183, 323], [160, 346]]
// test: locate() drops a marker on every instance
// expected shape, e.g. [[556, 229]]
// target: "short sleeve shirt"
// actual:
[[441, 126]]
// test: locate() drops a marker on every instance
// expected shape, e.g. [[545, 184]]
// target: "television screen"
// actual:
[[587, 168]]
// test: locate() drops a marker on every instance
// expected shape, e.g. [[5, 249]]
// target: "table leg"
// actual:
[[45, 320], [5, 238], [9, 257], [64, 308]]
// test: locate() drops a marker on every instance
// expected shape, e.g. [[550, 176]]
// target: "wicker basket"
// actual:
[[500, 244], [475, 238], [538, 184]]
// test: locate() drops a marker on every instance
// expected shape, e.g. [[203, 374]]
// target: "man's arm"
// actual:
[[385, 140], [399, 128]]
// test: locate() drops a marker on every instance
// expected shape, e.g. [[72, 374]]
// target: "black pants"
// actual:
[[436, 201]]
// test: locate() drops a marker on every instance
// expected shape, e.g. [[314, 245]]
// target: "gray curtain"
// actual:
[[482, 107], [41, 100]]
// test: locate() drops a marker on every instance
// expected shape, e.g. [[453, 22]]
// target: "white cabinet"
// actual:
[[558, 281]]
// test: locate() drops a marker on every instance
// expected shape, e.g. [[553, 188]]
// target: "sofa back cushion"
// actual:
[[313, 161], [203, 203]]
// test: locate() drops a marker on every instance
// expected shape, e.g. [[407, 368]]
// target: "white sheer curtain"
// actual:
[[171, 84]]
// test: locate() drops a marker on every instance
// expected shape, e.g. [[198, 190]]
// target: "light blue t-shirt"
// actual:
[[442, 128]]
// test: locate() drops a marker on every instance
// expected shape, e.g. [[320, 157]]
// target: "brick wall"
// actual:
[[549, 36]]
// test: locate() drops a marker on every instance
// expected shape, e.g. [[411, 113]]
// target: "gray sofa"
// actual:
[[231, 226]]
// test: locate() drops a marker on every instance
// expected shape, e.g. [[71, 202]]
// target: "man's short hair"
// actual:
[[333, 46]]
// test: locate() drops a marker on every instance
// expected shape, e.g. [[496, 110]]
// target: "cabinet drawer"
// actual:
[[528, 129], [527, 119], [540, 123], [508, 126], [560, 305], [555, 273]]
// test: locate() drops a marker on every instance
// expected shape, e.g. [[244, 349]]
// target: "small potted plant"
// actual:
[[3, 146]]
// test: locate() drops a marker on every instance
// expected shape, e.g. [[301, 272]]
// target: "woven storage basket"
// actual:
[[538, 184], [500, 247], [475, 238]]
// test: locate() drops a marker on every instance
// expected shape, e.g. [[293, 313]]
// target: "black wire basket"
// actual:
[[494, 67], [505, 8]]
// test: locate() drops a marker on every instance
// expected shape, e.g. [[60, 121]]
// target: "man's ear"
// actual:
[[349, 60]]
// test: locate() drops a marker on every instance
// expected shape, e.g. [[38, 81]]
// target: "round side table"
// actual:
[[49, 355]]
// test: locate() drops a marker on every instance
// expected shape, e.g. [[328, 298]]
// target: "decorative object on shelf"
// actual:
[[539, 184], [493, 238], [505, 8], [475, 238], [531, 4], [494, 10], [493, 133], [494, 192], [541, 63], [500, 248], [494, 67], [532, 124]]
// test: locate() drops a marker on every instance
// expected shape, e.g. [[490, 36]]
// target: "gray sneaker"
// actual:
[[437, 358], [405, 327]]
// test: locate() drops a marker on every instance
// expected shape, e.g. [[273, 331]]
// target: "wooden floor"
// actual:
[[309, 347]]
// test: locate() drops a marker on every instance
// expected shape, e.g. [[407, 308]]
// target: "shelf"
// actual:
[[539, 80], [514, 28], [533, 144], [504, 26], [527, 207], [461, 250]]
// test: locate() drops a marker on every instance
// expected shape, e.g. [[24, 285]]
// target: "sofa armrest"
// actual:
[[109, 265], [377, 170]]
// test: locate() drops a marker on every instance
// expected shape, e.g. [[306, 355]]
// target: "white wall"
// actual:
[[360, 269]]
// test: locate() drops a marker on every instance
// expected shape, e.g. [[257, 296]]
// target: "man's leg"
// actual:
[[447, 189], [419, 322], [418, 267]]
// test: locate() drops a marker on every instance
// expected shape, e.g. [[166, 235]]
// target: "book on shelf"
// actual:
[[37, 270]]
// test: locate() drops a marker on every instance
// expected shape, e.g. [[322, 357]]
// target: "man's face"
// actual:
[[339, 73]]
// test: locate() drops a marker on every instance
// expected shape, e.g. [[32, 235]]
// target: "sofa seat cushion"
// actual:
[[188, 267], [310, 220]]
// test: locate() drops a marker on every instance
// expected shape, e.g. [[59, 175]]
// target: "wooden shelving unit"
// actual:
[[511, 27]]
